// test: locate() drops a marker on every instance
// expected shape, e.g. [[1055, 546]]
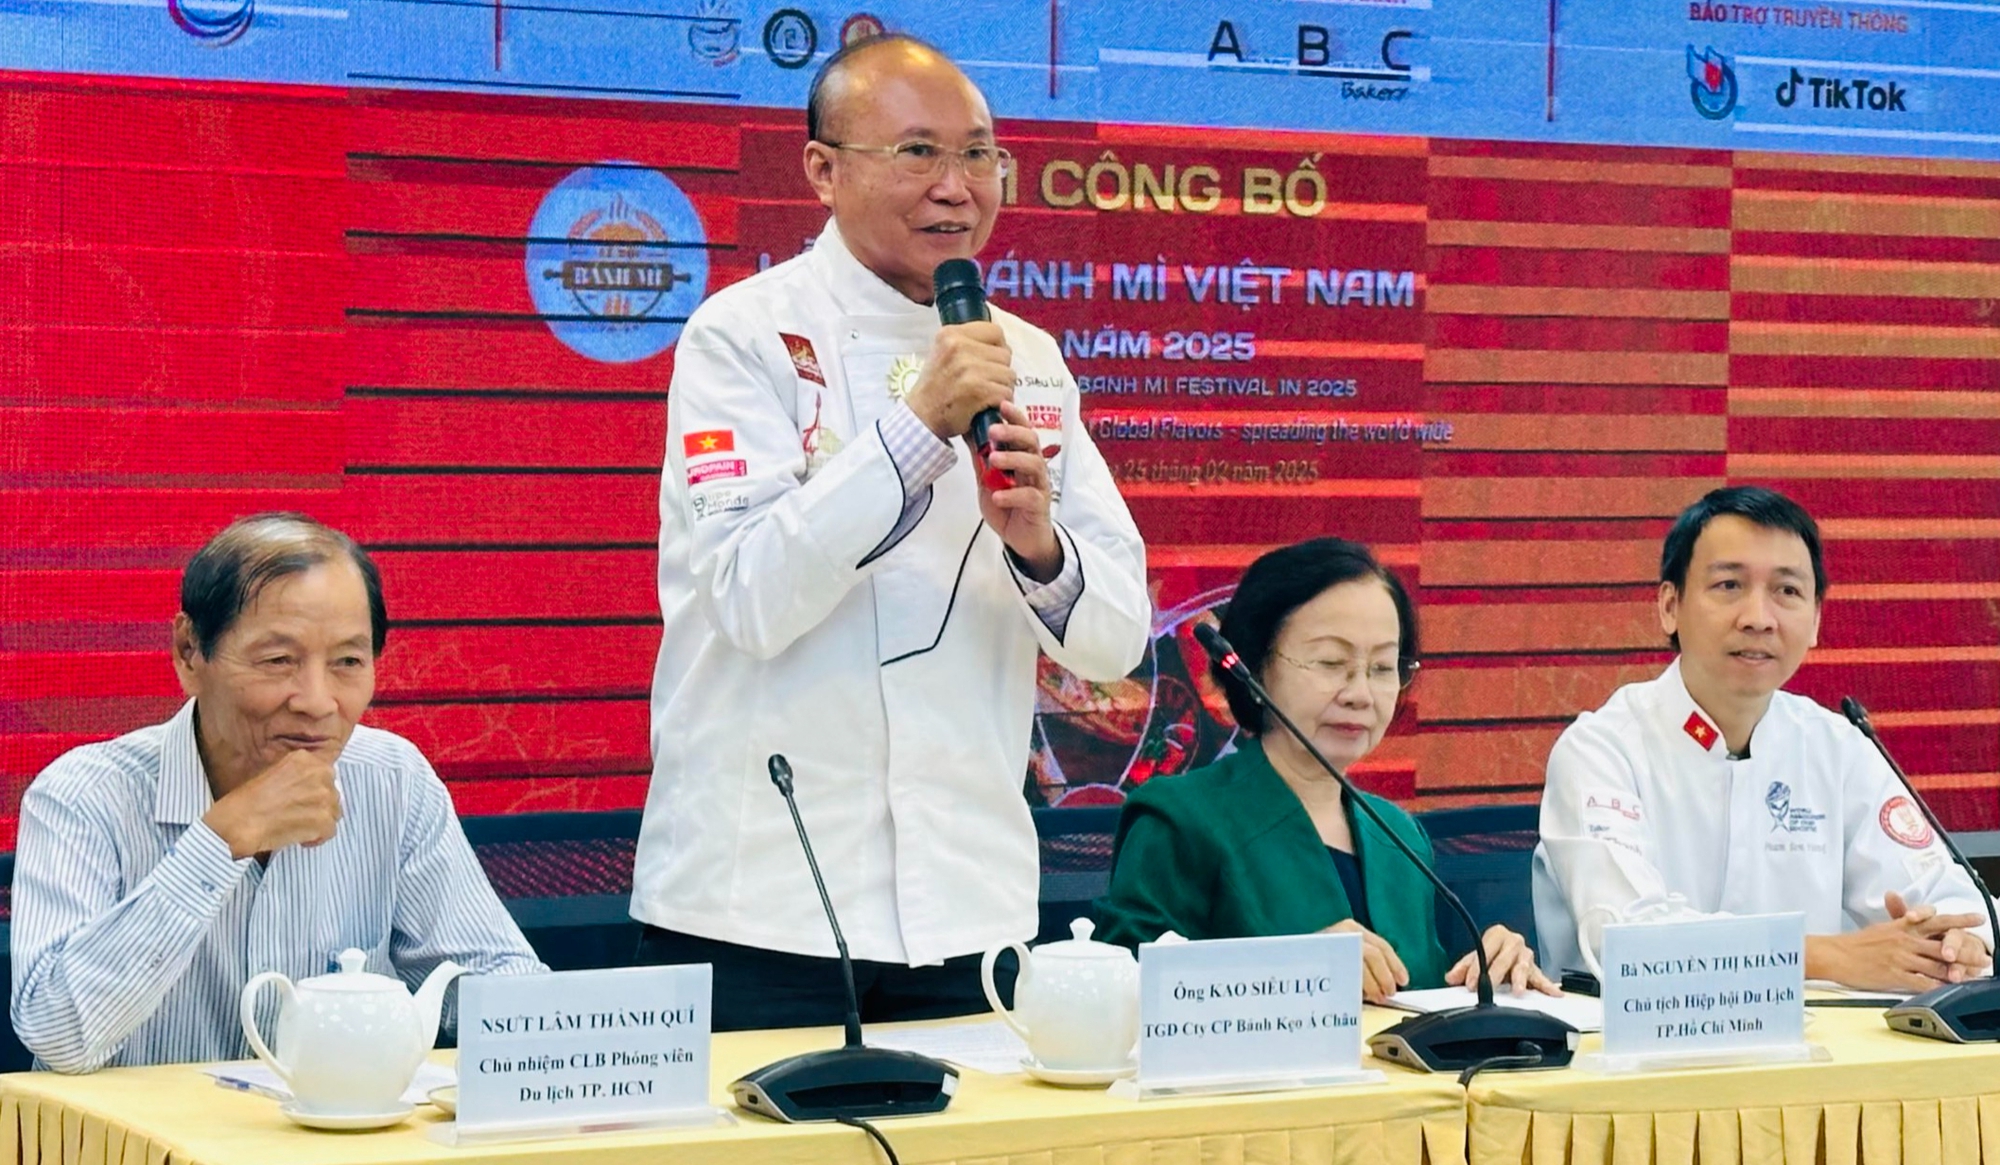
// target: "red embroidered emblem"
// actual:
[[1905, 823], [804, 360], [1701, 730]]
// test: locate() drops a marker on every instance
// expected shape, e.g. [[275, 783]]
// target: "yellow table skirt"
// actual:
[[173, 1115], [1884, 1099]]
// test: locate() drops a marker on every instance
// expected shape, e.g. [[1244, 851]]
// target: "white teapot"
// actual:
[[351, 1041], [1076, 1002]]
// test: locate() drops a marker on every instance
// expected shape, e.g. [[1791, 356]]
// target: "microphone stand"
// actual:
[[854, 1081], [1967, 1012], [781, 776], [1460, 1039]]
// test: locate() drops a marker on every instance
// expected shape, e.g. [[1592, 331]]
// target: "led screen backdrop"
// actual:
[[1496, 288]]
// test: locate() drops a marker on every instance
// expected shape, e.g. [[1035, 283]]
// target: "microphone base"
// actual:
[[1961, 1013], [1462, 1037], [847, 1082]]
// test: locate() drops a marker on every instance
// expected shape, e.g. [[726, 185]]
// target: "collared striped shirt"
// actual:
[[134, 930]]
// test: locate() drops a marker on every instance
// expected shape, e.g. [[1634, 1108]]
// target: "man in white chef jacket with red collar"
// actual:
[[838, 586], [1711, 791]]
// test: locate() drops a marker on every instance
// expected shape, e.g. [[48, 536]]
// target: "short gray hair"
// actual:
[[226, 575]]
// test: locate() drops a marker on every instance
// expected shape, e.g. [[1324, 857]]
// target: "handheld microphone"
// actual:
[[854, 1080], [1967, 1012], [1461, 1039], [961, 299]]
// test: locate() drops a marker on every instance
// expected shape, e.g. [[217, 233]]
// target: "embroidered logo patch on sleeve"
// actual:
[[710, 470], [1905, 823]]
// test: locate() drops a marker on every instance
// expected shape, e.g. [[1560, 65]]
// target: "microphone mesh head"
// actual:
[[960, 297], [955, 275]]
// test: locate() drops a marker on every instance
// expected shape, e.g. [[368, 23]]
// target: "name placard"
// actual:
[[578, 1048], [1706, 985], [1249, 1009]]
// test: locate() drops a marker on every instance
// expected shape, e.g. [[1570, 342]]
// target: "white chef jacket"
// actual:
[[890, 658], [1644, 815]]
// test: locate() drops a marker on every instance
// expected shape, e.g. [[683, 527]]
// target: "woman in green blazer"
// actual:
[[1263, 842]]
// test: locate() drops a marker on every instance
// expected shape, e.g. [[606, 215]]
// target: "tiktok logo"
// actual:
[[1838, 93]]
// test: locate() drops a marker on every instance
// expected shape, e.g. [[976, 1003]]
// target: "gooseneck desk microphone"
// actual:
[[1461, 1039], [1963, 1013], [853, 1081]]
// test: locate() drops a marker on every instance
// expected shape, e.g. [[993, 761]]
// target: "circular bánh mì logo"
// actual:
[[1905, 823], [213, 22], [790, 39], [616, 260]]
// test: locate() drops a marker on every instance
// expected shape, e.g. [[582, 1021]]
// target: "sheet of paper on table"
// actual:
[[988, 1046], [1581, 1012], [255, 1076]]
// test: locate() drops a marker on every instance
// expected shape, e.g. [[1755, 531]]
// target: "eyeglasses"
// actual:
[[1386, 678], [919, 159]]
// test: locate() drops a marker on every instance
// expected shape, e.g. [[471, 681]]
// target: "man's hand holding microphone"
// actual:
[[966, 390]]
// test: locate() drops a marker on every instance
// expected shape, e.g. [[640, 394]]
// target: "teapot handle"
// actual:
[[249, 1016], [1020, 981]]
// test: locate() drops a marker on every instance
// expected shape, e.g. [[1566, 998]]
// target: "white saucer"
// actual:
[[346, 1122], [1076, 1077], [446, 1099]]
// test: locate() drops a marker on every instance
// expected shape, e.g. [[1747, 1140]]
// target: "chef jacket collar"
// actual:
[[859, 291], [1684, 720]]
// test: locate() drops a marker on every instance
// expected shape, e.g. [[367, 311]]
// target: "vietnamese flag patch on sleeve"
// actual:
[[708, 442]]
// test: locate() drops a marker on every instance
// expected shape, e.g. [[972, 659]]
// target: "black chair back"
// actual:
[[1485, 854], [1076, 863], [13, 1057], [567, 880]]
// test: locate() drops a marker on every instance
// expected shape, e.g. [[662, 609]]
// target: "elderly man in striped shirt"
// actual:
[[261, 828]]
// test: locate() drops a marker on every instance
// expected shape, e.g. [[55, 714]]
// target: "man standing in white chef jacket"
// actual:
[[839, 587], [1711, 791]]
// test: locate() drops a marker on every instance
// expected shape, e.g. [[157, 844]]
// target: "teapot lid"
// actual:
[[353, 978], [1081, 946]]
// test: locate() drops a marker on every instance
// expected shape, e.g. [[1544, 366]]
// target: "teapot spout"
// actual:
[[430, 1001]]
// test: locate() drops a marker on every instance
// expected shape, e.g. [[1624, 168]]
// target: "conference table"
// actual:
[[174, 1115], [1882, 1099]]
